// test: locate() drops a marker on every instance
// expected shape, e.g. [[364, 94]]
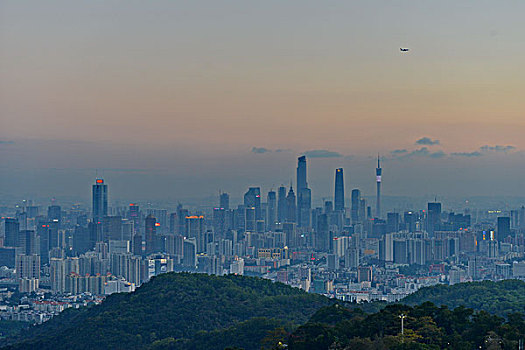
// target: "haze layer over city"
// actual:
[[172, 100]]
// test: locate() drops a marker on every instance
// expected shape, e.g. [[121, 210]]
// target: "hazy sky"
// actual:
[[183, 98]]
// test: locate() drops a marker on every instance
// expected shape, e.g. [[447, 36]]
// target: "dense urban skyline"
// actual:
[[243, 174]]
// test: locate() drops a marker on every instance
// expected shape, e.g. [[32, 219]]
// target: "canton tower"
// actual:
[[378, 183]]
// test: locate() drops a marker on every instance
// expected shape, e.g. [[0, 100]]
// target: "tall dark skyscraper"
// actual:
[[100, 201], [271, 210], [252, 199], [339, 194], [151, 231], [290, 206], [378, 184], [304, 194], [410, 221], [301, 173], [281, 205], [54, 212], [134, 215], [12, 232], [224, 201], [503, 228], [433, 217], [356, 195]]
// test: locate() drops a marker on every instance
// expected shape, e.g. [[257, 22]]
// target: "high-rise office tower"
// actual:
[[328, 207], [219, 221], [249, 219], [339, 194], [301, 173], [356, 195], [378, 184], [304, 207], [151, 232], [433, 217], [182, 213], [281, 205], [410, 221], [195, 229], [54, 212], [12, 235], [112, 228], [43, 231], [100, 201], [290, 206], [364, 210], [392, 222], [173, 223], [30, 242], [252, 199], [503, 228], [134, 215], [522, 218], [271, 211], [304, 194], [224, 201]]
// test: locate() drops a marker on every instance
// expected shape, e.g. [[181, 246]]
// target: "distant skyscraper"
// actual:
[[54, 212], [356, 195], [252, 199], [304, 207], [522, 218], [433, 217], [410, 221], [271, 210], [29, 242], [328, 207], [503, 228], [112, 228], [195, 229], [290, 206], [12, 232], [339, 195], [378, 182], [219, 221], [151, 232], [301, 173], [392, 222], [224, 200], [100, 201], [182, 214], [281, 205], [134, 215], [304, 194], [173, 223]]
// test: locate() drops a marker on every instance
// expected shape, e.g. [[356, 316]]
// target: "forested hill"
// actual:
[[195, 311], [499, 298], [180, 309], [426, 327]]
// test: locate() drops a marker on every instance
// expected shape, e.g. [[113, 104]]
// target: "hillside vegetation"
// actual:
[[425, 327], [499, 298], [183, 311], [177, 308]]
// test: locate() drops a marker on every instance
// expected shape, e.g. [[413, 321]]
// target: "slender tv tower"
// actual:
[[378, 182]]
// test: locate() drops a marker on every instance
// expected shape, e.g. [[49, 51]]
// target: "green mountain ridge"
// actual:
[[499, 298], [196, 311], [175, 307]]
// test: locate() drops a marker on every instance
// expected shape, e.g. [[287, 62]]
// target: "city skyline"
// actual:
[[243, 174]]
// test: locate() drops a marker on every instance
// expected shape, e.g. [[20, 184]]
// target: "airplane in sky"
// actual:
[[403, 49]]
